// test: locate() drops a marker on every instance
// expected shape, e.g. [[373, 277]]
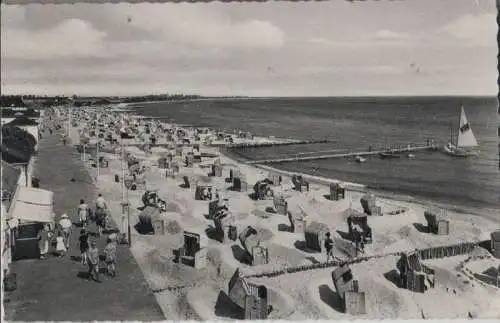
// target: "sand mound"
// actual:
[[385, 302], [211, 303], [264, 234], [280, 256], [164, 272], [173, 227]]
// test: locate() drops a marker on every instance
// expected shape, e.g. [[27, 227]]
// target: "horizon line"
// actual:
[[200, 96]]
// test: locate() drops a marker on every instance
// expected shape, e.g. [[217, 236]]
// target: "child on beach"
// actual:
[[84, 245], [60, 246], [93, 261], [83, 213], [110, 254]]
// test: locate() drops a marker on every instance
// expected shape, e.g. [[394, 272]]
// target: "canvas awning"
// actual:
[[33, 204]]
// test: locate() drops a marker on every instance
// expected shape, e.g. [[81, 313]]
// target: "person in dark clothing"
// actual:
[[356, 237], [84, 245], [328, 247]]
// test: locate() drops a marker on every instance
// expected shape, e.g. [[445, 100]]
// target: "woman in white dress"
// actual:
[[44, 240]]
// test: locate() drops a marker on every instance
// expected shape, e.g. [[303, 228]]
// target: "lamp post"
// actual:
[[125, 202], [97, 147]]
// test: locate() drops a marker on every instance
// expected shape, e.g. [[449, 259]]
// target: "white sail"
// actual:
[[466, 137]]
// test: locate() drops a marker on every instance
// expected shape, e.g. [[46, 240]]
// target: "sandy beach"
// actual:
[[186, 292]]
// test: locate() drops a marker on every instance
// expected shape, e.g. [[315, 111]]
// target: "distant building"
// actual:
[[495, 244], [9, 114], [10, 181], [24, 211]]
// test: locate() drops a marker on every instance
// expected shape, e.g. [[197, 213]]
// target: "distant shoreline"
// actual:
[[222, 98]]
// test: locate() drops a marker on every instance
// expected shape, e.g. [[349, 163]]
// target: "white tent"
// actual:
[[33, 205]]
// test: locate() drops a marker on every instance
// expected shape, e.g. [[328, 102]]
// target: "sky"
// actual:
[[335, 48]]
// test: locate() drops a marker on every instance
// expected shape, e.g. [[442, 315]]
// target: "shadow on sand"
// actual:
[[225, 307], [330, 298], [301, 245], [240, 254], [144, 229], [344, 235], [421, 228], [212, 233], [393, 277]]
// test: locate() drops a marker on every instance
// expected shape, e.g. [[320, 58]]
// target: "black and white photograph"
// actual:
[[278, 160]]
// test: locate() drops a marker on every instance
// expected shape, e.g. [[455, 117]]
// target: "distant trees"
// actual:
[[47, 101], [161, 97], [11, 101], [18, 145]]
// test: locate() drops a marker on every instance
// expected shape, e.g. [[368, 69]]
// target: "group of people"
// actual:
[[60, 233], [89, 251], [90, 254], [100, 216], [328, 244]]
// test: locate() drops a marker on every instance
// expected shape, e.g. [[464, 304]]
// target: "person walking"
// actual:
[[356, 237], [84, 245], [60, 244], [93, 261], [101, 213], [44, 237], [83, 213], [65, 224], [100, 203], [110, 256], [328, 247]]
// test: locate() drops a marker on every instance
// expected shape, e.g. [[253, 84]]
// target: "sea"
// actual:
[[470, 185]]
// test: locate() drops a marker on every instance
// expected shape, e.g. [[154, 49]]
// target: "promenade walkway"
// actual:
[[57, 289]]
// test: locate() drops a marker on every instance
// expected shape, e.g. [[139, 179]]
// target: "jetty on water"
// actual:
[[347, 153], [272, 143]]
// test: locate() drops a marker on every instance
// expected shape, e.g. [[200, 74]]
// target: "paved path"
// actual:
[[56, 289]]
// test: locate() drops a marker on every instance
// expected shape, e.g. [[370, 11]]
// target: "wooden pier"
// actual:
[[288, 142], [346, 154]]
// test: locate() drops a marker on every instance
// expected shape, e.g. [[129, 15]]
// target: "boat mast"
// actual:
[[459, 122], [451, 133]]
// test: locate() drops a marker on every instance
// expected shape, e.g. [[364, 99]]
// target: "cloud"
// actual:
[[205, 26], [221, 48], [320, 41], [474, 30], [12, 15], [73, 37], [385, 34], [381, 37]]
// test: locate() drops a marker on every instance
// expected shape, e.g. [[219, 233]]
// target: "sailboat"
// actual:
[[463, 141]]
